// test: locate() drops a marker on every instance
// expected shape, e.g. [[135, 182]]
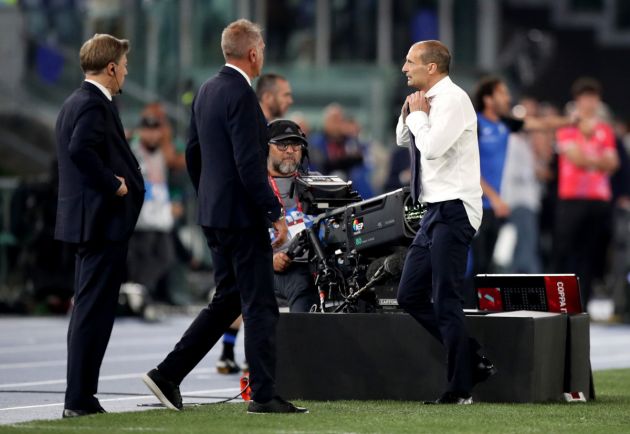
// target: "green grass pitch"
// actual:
[[610, 413]]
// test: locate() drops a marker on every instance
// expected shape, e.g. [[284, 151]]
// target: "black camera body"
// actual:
[[350, 236], [386, 220]]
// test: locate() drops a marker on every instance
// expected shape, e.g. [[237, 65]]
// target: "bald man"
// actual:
[[439, 125]]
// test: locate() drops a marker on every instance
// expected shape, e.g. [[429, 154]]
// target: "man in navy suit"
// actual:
[[226, 158], [101, 191]]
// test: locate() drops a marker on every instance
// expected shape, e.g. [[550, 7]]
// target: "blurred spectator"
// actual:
[[493, 102], [495, 124], [587, 158], [526, 165], [544, 143], [274, 96], [337, 150], [151, 248], [174, 160]]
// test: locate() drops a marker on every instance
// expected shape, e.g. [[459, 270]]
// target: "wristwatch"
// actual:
[[282, 214]]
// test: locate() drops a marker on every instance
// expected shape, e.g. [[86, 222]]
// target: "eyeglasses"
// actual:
[[284, 146]]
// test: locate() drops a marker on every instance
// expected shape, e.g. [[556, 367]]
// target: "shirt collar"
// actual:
[[102, 88], [439, 86], [249, 81]]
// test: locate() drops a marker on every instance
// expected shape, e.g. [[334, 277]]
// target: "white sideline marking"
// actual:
[[113, 343], [137, 375], [81, 428], [51, 363], [127, 398]]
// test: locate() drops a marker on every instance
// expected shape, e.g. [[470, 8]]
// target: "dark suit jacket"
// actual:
[[91, 149], [226, 155]]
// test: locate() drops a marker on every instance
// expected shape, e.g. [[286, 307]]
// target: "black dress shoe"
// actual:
[[452, 398], [483, 370], [165, 390], [67, 412], [275, 405]]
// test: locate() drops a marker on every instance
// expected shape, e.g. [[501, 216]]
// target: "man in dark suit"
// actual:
[[226, 158], [100, 196]]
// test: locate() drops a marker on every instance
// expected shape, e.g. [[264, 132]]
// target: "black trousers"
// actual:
[[485, 241], [296, 286], [243, 273], [583, 230], [99, 271], [431, 286]]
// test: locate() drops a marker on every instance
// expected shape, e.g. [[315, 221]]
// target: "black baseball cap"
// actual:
[[284, 130]]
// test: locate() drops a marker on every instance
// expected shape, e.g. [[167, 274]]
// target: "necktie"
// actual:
[[416, 169]]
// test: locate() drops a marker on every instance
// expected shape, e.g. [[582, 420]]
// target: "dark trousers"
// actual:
[[484, 242], [296, 286], [243, 273], [583, 229], [99, 271], [431, 286]]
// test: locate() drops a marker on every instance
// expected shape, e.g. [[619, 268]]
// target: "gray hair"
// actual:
[[238, 38]]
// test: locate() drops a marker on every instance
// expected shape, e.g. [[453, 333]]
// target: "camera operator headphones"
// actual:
[[285, 130]]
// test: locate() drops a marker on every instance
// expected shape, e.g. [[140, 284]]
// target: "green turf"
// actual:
[[610, 413]]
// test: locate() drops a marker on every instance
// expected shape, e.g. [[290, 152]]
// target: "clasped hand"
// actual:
[[417, 101]]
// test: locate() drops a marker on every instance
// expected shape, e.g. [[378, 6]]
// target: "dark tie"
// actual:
[[416, 169]]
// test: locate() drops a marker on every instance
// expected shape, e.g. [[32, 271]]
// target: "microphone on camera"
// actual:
[[391, 267], [394, 263]]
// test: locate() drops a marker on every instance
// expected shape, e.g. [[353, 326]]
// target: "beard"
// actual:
[[286, 166], [275, 111]]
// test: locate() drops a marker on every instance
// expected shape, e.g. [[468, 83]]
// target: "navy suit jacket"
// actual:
[[226, 155], [91, 149]]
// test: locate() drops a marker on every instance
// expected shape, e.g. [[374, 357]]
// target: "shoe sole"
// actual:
[[158, 393]]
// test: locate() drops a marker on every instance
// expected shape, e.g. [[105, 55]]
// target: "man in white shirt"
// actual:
[[439, 125]]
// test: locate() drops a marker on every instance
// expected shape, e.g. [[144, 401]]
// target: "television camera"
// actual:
[[356, 246]]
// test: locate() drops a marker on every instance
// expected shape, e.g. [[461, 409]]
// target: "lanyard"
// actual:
[[276, 191]]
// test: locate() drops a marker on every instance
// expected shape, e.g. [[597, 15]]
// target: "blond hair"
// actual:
[[238, 38], [100, 50]]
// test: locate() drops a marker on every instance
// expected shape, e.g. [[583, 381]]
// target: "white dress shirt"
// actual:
[[449, 151], [102, 88], [241, 71]]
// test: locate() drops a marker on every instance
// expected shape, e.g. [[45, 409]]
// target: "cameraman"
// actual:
[[293, 282]]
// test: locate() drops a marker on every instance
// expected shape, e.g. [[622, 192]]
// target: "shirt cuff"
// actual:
[[402, 133]]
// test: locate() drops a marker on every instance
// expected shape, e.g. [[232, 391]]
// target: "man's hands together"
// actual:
[[418, 101]]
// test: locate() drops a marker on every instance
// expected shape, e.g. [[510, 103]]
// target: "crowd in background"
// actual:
[[556, 192]]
